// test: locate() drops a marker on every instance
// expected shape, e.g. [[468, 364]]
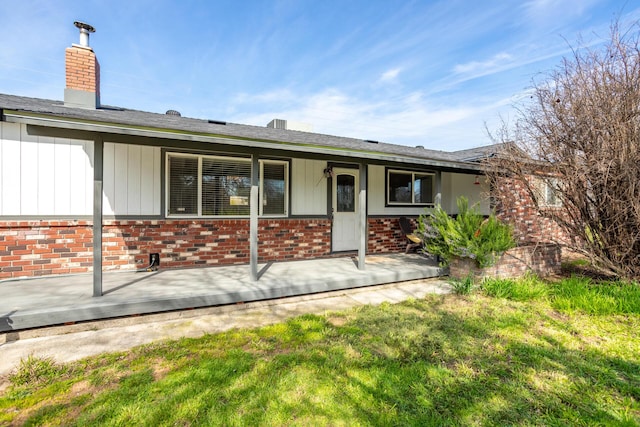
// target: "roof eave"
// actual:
[[46, 120]]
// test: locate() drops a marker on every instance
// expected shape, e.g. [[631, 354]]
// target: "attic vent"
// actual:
[[217, 122], [370, 141], [173, 113]]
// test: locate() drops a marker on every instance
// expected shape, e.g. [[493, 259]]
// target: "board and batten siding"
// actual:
[[45, 176], [131, 180], [464, 185], [42, 175], [308, 187]]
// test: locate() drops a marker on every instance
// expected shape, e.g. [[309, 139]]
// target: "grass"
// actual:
[[524, 352]]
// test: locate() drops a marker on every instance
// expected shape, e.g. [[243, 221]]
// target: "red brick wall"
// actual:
[[37, 248], [514, 205], [542, 259], [385, 236]]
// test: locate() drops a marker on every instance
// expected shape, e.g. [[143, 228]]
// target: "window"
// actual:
[[409, 188], [345, 193], [274, 191], [548, 193], [221, 186]]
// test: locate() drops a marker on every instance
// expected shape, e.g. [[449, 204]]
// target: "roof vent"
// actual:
[[173, 113], [370, 141], [277, 124], [217, 122], [85, 29], [420, 146]]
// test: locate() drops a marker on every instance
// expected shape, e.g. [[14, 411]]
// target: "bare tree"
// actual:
[[575, 150]]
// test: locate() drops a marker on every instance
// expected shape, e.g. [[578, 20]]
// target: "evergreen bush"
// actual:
[[469, 235]]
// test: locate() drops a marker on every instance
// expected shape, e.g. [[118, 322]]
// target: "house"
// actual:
[[89, 187]]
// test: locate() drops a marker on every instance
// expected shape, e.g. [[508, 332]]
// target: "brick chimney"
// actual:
[[82, 72]]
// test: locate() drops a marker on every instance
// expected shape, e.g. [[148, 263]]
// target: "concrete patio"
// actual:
[[58, 300]]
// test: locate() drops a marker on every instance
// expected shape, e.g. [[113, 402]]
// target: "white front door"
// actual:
[[345, 234]]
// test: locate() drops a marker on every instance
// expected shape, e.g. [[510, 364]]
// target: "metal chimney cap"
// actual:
[[83, 26]]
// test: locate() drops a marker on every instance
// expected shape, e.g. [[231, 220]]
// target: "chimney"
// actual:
[[82, 72]]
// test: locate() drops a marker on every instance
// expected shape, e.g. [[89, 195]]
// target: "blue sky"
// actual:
[[429, 73]]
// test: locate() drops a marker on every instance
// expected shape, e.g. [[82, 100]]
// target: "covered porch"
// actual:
[[33, 303]]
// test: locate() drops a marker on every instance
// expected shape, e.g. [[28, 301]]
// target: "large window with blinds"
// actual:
[[205, 186]]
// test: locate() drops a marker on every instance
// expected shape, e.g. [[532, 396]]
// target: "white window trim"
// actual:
[[200, 158], [413, 180]]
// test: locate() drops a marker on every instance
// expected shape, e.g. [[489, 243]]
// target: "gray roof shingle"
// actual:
[[126, 117]]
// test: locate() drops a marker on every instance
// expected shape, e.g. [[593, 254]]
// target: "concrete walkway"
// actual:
[[73, 342]]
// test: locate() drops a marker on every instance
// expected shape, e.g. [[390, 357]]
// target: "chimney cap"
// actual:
[[83, 26]]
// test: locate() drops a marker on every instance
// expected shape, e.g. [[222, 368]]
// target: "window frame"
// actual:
[[245, 160], [413, 173]]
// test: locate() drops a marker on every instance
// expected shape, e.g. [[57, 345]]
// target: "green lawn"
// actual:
[[511, 353]]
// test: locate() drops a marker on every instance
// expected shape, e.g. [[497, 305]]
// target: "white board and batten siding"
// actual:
[[308, 187], [45, 176], [131, 180], [465, 185]]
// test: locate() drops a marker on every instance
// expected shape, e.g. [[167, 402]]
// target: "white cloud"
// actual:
[[495, 62], [409, 120], [390, 75], [552, 12]]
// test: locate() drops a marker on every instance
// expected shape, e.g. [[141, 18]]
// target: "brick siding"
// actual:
[[514, 205], [38, 248], [385, 236]]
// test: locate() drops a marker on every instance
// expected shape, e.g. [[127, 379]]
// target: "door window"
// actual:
[[345, 193]]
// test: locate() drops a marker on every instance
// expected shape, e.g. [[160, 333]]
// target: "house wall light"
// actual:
[[328, 172]]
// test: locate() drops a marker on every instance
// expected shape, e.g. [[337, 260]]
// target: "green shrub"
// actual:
[[469, 235]]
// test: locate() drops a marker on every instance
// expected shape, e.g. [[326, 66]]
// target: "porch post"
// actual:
[[253, 221], [437, 199], [98, 152], [362, 203]]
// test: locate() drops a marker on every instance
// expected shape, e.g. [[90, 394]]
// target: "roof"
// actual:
[[116, 120], [478, 153]]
